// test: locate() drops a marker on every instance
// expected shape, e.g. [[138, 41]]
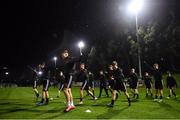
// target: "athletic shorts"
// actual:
[[171, 86], [111, 83], [133, 86], [45, 84], [68, 81], [120, 86], [158, 85], [148, 86]]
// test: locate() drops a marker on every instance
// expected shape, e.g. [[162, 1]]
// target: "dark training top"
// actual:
[[110, 74], [133, 79], [147, 80], [157, 74], [171, 82], [83, 75], [118, 75], [68, 65], [91, 78], [103, 80], [45, 73]]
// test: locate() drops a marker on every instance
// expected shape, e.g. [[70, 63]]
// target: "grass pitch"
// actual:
[[19, 103]]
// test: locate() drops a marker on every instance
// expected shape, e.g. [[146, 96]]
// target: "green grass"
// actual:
[[19, 103]]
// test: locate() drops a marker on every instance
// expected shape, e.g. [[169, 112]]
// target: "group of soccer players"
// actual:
[[113, 80]]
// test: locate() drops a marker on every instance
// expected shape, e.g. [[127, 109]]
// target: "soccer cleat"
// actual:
[[73, 107], [80, 102], [110, 105], [69, 108], [168, 97], [95, 98], [39, 104], [155, 100], [160, 100]]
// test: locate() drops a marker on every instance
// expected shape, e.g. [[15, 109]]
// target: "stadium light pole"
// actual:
[[55, 59], [81, 45], [135, 7]]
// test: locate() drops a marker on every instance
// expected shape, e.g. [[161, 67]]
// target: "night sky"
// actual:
[[31, 30]]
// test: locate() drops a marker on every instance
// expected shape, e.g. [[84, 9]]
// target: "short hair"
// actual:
[[114, 63], [156, 64]]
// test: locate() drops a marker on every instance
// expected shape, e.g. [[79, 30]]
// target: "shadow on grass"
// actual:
[[167, 106], [102, 104], [5, 103], [111, 113]]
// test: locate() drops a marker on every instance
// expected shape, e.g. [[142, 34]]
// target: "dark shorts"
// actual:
[[68, 81], [133, 86], [171, 86], [111, 83], [158, 85], [91, 84], [148, 86], [119, 86], [45, 84]]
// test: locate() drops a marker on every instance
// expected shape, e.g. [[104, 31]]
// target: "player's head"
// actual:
[[61, 73], [146, 74], [39, 65], [90, 73], [156, 66], [82, 66], [101, 72], [169, 73], [115, 64], [65, 54], [43, 64], [132, 70]]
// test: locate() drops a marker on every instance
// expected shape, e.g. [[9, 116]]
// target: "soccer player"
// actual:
[[103, 83], [45, 75], [61, 79], [118, 77], [110, 76], [148, 83], [83, 76], [68, 70], [91, 82], [158, 82], [133, 82], [36, 77], [171, 83]]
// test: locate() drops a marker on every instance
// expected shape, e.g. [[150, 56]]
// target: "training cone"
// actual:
[[88, 111]]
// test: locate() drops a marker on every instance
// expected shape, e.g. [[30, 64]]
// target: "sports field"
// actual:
[[19, 103]]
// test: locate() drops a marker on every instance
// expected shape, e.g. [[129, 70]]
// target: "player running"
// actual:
[[118, 77]]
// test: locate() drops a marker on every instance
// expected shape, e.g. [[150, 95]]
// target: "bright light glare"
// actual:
[[55, 58], [40, 72], [81, 44], [135, 6], [7, 73]]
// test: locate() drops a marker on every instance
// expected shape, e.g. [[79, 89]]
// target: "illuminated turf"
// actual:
[[20, 103]]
